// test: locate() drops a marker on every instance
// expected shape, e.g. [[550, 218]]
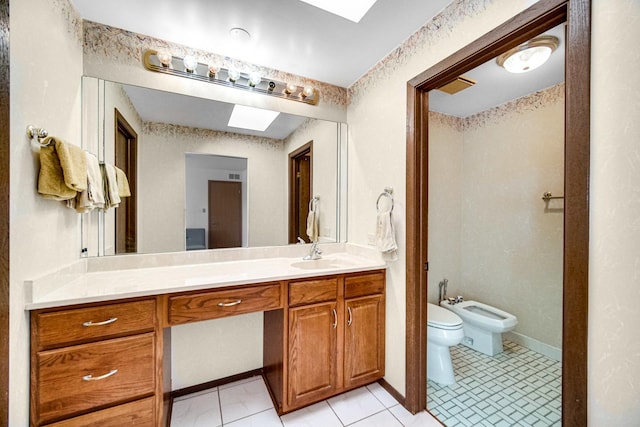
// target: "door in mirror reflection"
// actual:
[[216, 201], [126, 154], [225, 214], [300, 188]]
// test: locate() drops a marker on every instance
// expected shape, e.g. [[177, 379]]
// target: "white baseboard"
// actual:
[[535, 345]]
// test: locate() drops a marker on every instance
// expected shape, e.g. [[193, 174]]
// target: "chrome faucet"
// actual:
[[314, 253]]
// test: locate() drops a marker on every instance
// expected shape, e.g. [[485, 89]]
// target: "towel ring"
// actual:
[[313, 203], [386, 193]]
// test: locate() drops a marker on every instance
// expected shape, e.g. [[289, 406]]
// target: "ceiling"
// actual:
[[166, 107], [286, 35], [295, 37]]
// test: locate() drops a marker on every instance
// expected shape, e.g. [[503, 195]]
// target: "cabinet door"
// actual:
[[313, 366], [364, 340]]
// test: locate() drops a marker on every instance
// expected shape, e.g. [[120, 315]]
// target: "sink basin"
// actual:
[[320, 264]]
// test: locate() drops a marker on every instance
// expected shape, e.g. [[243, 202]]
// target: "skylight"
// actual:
[[352, 10], [251, 118]]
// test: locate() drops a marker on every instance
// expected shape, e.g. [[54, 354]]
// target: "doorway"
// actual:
[[543, 16], [300, 188], [225, 214], [126, 155]]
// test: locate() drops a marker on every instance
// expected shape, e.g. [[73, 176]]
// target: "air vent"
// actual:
[[234, 176], [460, 83]]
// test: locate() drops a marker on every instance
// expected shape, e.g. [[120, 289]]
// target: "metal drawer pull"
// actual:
[[101, 377], [104, 322], [335, 318], [229, 304], [350, 320]]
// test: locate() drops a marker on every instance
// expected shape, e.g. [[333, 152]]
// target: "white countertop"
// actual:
[[73, 287]]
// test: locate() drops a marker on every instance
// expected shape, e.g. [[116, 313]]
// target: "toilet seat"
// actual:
[[441, 318]]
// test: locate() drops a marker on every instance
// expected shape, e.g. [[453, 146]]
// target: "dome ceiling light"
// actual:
[[528, 56]]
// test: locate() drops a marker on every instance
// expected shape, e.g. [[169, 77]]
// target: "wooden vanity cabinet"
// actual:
[[96, 365], [364, 340], [332, 338]]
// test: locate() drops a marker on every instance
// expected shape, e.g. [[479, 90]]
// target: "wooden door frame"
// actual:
[[542, 16], [121, 124], [5, 145], [308, 147]]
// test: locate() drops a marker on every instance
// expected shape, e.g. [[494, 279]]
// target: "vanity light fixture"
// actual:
[[189, 67], [528, 56]]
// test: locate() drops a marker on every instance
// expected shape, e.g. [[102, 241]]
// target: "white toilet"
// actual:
[[483, 325], [444, 329]]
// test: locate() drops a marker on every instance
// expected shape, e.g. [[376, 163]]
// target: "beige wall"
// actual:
[[614, 260], [46, 66], [446, 148]]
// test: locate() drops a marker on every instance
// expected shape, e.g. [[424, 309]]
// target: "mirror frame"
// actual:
[[543, 15]]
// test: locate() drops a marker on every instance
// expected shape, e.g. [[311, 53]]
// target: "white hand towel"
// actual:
[[111, 193], [93, 196], [385, 239], [312, 226]]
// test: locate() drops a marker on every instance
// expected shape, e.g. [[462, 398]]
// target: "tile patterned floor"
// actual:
[[247, 403], [518, 387]]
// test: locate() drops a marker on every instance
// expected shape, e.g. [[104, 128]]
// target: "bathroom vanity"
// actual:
[[101, 355]]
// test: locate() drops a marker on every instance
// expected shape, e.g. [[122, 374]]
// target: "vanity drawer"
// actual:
[[139, 413], [194, 307], [77, 379], [65, 327], [312, 291], [364, 284]]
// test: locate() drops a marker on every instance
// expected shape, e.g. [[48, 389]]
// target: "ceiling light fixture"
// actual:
[[528, 56], [232, 76], [251, 118], [353, 10], [239, 35]]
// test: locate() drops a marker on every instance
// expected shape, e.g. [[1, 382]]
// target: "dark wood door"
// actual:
[[300, 184], [225, 214], [126, 149], [364, 340], [313, 370]]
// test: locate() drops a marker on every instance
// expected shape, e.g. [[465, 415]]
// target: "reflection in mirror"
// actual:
[[183, 158], [494, 149]]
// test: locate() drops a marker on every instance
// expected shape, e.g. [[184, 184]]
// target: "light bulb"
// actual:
[[307, 91], [213, 69], [190, 63], [290, 88], [254, 79], [233, 74], [164, 57]]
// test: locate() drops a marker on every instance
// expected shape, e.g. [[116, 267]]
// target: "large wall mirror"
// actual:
[[198, 183]]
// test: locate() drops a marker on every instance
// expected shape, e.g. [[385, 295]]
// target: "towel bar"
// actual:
[[548, 196], [37, 133]]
